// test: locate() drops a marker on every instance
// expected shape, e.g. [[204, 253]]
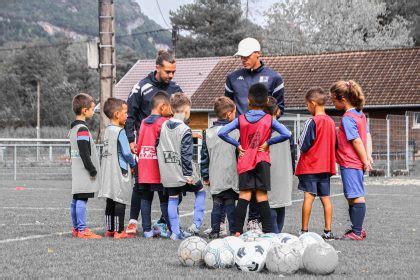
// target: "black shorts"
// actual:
[[316, 184], [257, 178], [227, 194], [150, 187], [184, 189]]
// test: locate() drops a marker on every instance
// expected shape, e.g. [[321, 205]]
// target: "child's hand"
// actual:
[[189, 180], [263, 147], [241, 151], [133, 148], [370, 159], [367, 166], [206, 182]]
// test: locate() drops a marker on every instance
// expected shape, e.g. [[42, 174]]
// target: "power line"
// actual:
[[161, 14]]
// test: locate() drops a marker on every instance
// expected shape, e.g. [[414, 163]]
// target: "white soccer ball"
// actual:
[[251, 257], [283, 259], [218, 254], [309, 238], [287, 238], [298, 247], [250, 236], [234, 243], [320, 258], [190, 251]]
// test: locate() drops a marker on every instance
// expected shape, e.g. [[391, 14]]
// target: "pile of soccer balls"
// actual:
[[254, 251]]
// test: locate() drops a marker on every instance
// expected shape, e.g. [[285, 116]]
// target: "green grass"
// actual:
[[390, 251]]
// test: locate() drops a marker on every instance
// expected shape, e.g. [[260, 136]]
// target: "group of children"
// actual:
[[242, 158]]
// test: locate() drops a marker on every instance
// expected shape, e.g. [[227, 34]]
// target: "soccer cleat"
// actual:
[[109, 233], [176, 237], [88, 234], [329, 236], [352, 236], [302, 232], [253, 225], [193, 230], [237, 234], [207, 231], [364, 233], [74, 232], [121, 235], [185, 234], [162, 230], [151, 233], [223, 229], [214, 235], [132, 227]]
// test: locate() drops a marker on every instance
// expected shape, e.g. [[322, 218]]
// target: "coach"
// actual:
[[237, 86], [139, 100]]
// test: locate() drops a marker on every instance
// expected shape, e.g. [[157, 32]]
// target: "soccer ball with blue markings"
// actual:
[[251, 257], [287, 238], [251, 235], [218, 254], [190, 251]]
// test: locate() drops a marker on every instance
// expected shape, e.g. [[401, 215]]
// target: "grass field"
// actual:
[[35, 241]]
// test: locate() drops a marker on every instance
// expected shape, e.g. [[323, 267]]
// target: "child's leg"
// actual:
[[308, 200], [81, 214], [163, 199], [199, 205], [281, 213], [357, 214], [216, 215], [264, 207], [73, 213], [173, 214], [274, 220], [119, 216], [240, 210], [229, 207], [135, 204], [146, 210], [328, 209], [110, 215], [254, 213]]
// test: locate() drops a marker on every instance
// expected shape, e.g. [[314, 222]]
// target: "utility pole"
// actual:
[[107, 69]]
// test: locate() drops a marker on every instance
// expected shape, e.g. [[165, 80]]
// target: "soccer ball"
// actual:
[[283, 259], [298, 247], [218, 254], [287, 238], [190, 251], [310, 238], [320, 258], [251, 235], [251, 257], [234, 243]]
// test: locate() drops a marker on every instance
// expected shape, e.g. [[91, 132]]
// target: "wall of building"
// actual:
[[199, 120]]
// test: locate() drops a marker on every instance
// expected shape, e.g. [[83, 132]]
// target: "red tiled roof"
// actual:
[[190, 73], [388, 77]]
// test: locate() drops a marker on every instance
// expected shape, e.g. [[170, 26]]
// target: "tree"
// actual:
[[215, 28], [332, 25]]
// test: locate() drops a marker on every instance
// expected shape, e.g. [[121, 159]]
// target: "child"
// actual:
[[84, 165], [352, 152], [148, 167], [175, 155], [254, 159], [280, 195], [115, 168], [317, 159], [218, 167]]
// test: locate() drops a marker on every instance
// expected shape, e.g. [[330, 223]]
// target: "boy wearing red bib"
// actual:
[[314, 171], [255, 128], [352, 153]]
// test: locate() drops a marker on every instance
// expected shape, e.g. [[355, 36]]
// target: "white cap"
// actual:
[[247, 46]]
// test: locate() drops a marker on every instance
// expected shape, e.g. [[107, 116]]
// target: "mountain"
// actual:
[[27, 22]]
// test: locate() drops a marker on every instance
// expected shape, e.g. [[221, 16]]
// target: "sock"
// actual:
[[281, 213], [73, 213], [265, 216], [135, 204], [110, 215], [163, 199], [357, 217], [350, 207], [254, 213], [216, 215], [199, 205], [327, 231], [229, 208], [275, 228], [146, 212], [81, 214], [173, 215], [240, 213], [119, 216]]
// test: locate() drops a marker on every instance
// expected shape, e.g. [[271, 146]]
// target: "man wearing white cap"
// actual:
[[253, 71], [237, 86]]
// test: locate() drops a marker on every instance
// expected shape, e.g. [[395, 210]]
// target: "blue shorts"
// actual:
[[352, 182], [316, 184]]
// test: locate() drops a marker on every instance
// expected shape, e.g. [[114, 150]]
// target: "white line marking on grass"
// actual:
[[44, 208]]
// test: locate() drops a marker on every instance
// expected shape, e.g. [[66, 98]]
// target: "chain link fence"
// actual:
[[395, 142]]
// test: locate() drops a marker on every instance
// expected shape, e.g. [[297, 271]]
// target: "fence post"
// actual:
[[388, 147], [15, 162], [407, 127], [51, 157]]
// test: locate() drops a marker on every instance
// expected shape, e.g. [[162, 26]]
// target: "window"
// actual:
[[416, 120]]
